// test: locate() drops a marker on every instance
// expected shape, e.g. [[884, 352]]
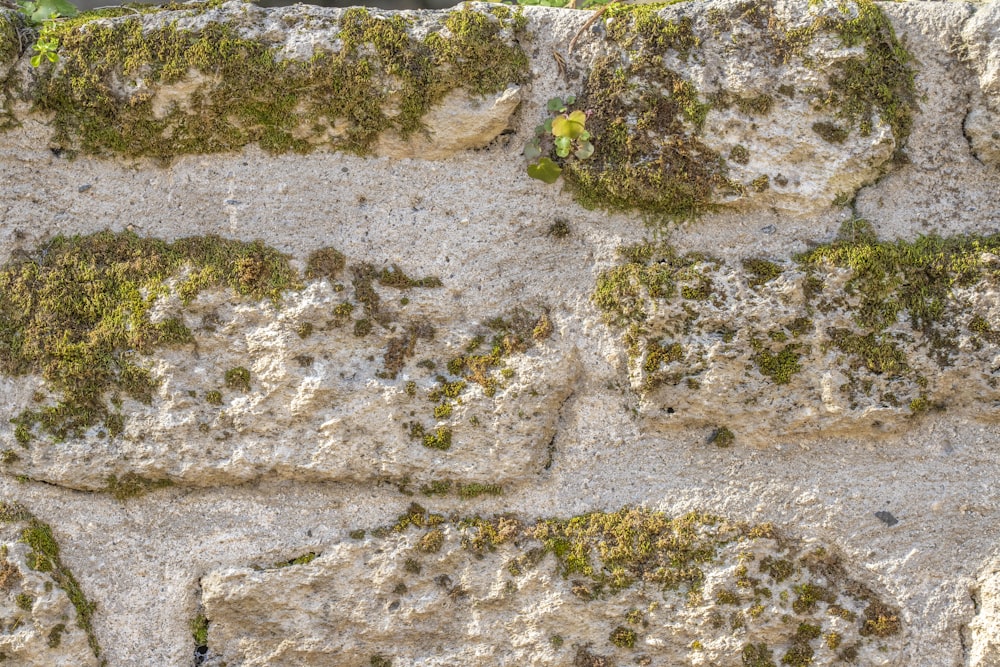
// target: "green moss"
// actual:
[[380, 660], [913, 278], [882, 81], [248, 94], [640, 26], [77, 311], [362, 327], [44, 557], [394, 277], [131, 485], [238, 379], [213, 397], [650, 272], [623, 637], [877, 352], [739, 154], [514, 333], [644, 120], [760, 271], [436, 488], [325, 263], [199, 629], [10, 44], [780, 366], [722, 437], [358, 534], [432, 541], [474, 490], [440, 439], [808, 596], [831, 132], [657, 354], [55, 635], [619, 548], [24, 601], [759, 105], [416, 515], [757, 655], [880, 620], [779, 569]]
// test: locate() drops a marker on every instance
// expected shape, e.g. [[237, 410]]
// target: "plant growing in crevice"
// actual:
[[564, 134], [42, 15]]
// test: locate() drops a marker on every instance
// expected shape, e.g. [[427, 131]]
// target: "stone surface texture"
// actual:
[[300, 367]]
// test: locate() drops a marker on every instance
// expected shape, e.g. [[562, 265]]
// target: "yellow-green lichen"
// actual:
[[110, 91], [77, 312]]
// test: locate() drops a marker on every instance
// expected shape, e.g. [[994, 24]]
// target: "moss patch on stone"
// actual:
[[78, 314], [646, 118], [645, 122], [739, 577], [649, 272], [889, 311], [110, 92], [132, 485]]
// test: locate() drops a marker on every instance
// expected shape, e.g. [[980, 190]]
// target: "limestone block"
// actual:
[[856, 337], [326, 381], [624, 587]]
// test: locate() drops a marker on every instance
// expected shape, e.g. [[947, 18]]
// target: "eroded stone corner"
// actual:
[[981, 48], [46, 618]]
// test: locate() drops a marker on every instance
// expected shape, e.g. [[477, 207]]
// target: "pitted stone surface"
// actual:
[[855, 415], [631, 587]]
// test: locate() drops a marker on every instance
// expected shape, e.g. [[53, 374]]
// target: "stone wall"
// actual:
[[667, 335]]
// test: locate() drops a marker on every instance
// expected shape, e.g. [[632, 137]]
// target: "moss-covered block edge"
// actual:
[[44, 557], [101, 95]]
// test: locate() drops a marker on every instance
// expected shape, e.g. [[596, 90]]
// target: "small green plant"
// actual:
[[43, 14], [564, 134]]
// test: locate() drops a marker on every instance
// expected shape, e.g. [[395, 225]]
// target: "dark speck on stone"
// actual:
[[232, 202], [84, 187], [769, 229], [344, 169], [887, 518]]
